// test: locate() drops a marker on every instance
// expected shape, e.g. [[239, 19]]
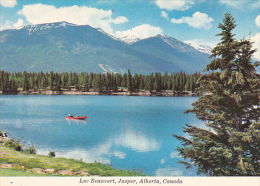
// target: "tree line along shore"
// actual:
[[98, 83]]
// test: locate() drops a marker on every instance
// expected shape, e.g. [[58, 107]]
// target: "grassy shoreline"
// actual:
[[20, 163]]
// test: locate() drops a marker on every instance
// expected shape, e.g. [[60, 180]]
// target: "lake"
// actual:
[[127, 132]]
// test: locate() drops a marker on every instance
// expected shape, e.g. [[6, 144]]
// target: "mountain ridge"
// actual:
[[63, 46]]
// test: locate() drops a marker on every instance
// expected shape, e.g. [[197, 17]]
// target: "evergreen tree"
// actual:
[[124, 80], [114, 83], [150, 83], [97, 83], [51, 79], [25, 81], [157, 82], [130, 86], [230, 110]]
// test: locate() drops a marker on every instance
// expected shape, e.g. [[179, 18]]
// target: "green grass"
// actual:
[[30, 161], [12, 172]]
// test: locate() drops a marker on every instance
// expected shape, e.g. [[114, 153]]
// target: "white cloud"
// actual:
[[164, 15], [175, 155], [198, 20], [10, 25], [257, 21], [197, 42], [238, 4], [80, 15], [19, 23], [170, 5], [142, 31], [120, 20], [162, 161], [6, 25], [256, 40], [8, 3], [120, 154], [168, 171]]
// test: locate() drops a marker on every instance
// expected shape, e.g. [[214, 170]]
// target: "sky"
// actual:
[[194, 21]]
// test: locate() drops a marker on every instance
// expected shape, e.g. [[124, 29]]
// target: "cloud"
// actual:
[[10, 25], [8, 3], [197, 42], [19, 23], [239, 4], [162, 161], [6, 25], [170, 5], [142, 31], [120, 20], [175, 155], [164, 15], [256, 40], [119, 154], [198, 20], [257, 21], [80, 15]]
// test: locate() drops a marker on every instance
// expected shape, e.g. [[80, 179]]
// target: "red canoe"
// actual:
[[71, 117]]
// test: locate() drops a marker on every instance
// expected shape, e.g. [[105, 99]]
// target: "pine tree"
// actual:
[[25, 81], [230, 110], [130, 86]]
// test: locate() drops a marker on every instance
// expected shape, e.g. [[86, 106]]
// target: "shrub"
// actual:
[[52, 154], [15, 144], [30, 150]]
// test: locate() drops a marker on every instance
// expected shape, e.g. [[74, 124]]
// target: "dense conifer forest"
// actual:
[[12, 83]]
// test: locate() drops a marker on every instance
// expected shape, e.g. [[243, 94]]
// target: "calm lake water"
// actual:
[[129, 132]]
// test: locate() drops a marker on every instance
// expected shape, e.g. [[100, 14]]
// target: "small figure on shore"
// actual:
[[5, 135]]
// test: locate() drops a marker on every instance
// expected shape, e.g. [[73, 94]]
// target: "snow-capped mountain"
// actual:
[[65, 47], [202, 48], [47, 26], [129, 39]]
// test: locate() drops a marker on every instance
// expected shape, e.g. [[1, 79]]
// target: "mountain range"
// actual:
[[63, 46]]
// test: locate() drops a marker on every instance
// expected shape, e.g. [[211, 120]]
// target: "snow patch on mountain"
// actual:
[[106, 68], [105, 33], [173, 42], [202, 48], [130, 39], [47, 26]]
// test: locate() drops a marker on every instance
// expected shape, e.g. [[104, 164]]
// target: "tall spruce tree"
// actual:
[[130, 86], [230, 110]]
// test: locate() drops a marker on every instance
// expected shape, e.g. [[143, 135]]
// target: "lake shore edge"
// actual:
[[20, 163], [121, 93]]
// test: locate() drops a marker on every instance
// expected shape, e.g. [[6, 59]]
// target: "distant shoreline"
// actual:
[[122, 93]]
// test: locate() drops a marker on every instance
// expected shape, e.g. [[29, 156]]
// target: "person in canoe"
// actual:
[[77, 115], [70, 115]]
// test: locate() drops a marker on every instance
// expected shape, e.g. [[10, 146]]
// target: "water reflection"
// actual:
[[137, 141], [169, 171], [76, 121], [128, 132], [112, 147]]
